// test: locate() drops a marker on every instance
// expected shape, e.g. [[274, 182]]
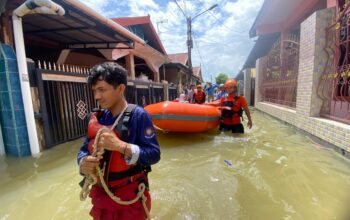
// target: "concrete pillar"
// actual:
[[156, 76], [130, 65], [258, 80], [166, 91], [247, 85], [312, 61], [179, 84], [163, 72]]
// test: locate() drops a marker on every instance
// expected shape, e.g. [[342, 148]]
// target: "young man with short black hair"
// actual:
[[130, 149]]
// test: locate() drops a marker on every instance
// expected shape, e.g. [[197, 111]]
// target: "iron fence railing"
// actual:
[[334, 86], [172, 93], [280, 72]]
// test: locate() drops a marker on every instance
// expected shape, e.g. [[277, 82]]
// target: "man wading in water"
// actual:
[[129, 150], [232, 107]]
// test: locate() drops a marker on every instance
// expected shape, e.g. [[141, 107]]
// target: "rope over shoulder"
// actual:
[[92, 178]]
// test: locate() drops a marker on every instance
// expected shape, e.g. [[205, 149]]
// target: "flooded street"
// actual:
[[271, 172]]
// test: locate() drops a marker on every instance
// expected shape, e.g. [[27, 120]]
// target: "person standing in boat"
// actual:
[[221, 93], [129, 150], [199, 96], [232, 107], [210, 90], [190, 94]]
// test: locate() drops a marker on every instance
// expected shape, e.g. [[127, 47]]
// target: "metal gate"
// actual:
[[172, 93], [148, 93], [65, 101], [157, 93], [130, 93], [143, 95]]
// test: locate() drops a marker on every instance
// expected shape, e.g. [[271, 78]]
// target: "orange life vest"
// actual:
[[198, 97], [116, 172], [233, 115]]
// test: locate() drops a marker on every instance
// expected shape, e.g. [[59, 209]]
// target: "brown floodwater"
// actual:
[[271, 172]]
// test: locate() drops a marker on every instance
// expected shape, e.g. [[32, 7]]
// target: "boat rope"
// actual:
[[91, 179]]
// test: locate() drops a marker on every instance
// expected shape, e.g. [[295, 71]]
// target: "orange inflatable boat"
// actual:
[[183, 117]]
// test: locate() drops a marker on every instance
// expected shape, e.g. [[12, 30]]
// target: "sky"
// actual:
[[221, 39]]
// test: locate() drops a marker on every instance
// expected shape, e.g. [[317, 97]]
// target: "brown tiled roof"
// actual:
[[142, 20], [179, 58], [197, 72]]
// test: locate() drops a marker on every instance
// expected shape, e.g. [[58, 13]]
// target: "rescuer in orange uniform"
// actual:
[[199, 96], [232, 107]]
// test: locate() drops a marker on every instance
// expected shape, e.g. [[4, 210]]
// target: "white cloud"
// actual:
[[221, 35], [226, 44], [147, 4], [97, 5]]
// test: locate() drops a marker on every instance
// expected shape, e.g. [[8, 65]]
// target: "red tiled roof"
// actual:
[[179, 58], [142, 20]]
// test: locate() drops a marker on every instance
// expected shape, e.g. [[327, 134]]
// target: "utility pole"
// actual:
[[189, 38], [189, 20], [189, 46]]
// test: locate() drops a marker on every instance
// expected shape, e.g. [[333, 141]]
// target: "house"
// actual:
[[197, 74], [147, 58], [59, 51], [300, 66], [177, 71]]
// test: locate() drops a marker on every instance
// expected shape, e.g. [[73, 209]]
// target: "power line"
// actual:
[[212, 42], [206, 42], [175, 15], [223, 24], [180, 8], [184, 1], [199, 54]]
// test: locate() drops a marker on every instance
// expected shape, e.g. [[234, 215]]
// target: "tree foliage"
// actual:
[[221, 78]]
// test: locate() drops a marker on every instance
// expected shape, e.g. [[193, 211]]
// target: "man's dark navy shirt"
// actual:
[[142, 134]]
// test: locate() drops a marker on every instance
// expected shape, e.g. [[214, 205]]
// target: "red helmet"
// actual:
[[230, 82]]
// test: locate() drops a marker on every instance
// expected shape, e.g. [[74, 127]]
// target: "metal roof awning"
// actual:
[[277, 15], [80, 27], [260, 49]]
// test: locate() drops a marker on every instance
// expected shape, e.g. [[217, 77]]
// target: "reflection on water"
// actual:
[[271, 172]]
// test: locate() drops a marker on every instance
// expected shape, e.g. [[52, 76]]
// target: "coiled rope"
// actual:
[[91, 179]]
